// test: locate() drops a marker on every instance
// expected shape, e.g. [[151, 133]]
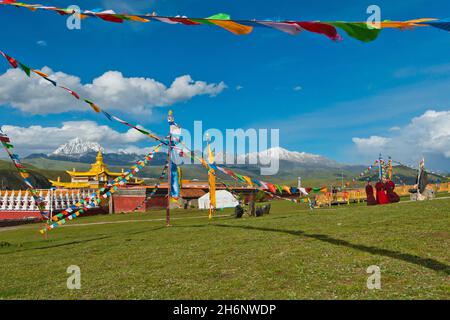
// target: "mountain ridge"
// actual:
[[84, 151]]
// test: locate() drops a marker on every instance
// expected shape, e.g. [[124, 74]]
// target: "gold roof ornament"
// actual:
[[97, 168]]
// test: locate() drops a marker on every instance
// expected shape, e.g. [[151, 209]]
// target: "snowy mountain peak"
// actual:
[[286, 155], [77, 146]]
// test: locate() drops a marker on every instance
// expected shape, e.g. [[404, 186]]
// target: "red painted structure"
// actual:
[[127, 199], [20, 215]]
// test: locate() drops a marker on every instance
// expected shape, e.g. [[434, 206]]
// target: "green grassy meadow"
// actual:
[[292, 253]]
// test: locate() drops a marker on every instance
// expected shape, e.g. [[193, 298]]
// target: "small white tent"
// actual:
[[224, 199]]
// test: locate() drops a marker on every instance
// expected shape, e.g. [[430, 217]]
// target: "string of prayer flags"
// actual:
[[6, 142], [175, 129], [361, 31], [155, 189], [95, 198], [15, 64], [266, 187], [224, 21]]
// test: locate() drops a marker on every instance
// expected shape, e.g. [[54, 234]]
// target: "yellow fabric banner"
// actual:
[[232, 26], [248, 180], [212, 183]]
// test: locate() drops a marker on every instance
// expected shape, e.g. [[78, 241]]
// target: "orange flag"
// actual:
[[232, 26]]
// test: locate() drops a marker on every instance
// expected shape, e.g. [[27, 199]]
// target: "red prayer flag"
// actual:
[[109, 17], [272, 188], [185, 21], [71, 92], [322, 28], [13, 62]]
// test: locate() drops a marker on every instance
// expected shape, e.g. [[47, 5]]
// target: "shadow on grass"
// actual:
[[424, 262], [70, 243]]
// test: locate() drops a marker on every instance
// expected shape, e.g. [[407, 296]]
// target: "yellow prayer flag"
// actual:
[[41, 73], [248, 180], [24, 174], [136, 18], [212, 183], [287, 189], [232, 26], [95, 107]]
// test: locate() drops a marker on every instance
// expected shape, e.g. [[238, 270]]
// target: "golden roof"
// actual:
[[70, 185], [98, 168]]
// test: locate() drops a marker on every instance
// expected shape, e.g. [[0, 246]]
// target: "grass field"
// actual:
[[290, 254]]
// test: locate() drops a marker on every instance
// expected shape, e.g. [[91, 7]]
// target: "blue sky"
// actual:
[[348, 90]]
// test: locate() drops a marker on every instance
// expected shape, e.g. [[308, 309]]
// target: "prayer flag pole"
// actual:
[[380, 166], [390, 169], [169, 169]]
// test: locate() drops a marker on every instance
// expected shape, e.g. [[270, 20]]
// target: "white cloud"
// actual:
[[238, 88], [111, 91], [41, 43], [426, 134], [39, 139], [371, 144], [298, 88]]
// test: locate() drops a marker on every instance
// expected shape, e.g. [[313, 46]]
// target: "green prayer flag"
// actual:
[[25, 69], [143, 131], [219, 16], [279, 188], [358, 30], [240, 177]]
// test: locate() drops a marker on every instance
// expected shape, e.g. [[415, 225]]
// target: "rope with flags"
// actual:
[[415, 168], [362, 31], [155, 189], [6, 142], [95, 198], [273, 188], [17, 64]]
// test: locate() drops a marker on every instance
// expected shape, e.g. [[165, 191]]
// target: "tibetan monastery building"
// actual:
[[95, 178]]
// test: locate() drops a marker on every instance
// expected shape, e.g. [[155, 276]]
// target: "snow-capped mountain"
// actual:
[[83, 151], [76, 147], [265, 157]]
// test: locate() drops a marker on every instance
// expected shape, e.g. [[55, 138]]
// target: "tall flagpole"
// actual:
[[169, 171], [380, 167], [390, 169]]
